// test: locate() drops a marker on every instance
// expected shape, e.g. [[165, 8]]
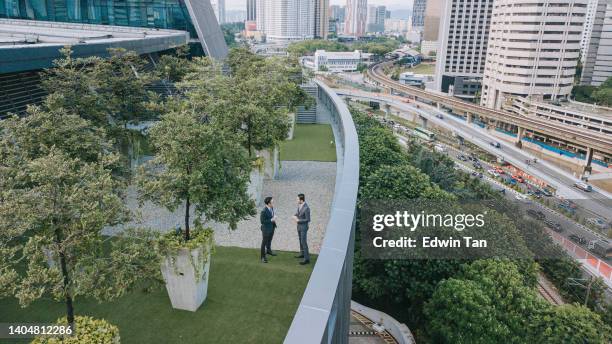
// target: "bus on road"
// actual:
[[424, 134]]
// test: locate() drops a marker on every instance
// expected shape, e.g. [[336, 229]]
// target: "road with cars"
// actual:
[[597, 202]]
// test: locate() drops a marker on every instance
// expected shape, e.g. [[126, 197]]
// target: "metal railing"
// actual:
[[324, 311]]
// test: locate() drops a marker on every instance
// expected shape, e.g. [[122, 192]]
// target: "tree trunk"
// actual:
[[187, 205], [249, 136], [66, 279]]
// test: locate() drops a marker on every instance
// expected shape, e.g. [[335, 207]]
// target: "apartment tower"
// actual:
[[286, 20], [356, 17], [533, 50], [462, 46], [321, 17], [418, 14], [597, 56]]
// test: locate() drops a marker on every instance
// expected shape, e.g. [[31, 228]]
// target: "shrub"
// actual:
[[87, 331]]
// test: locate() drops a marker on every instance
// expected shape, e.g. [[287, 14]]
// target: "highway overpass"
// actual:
[[588, 140]]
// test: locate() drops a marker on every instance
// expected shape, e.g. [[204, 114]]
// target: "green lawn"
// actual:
[[248, 302], [311, 142], [423, 68]]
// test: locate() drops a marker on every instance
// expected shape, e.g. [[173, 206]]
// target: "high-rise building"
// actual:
[[356, 17], [462, 46], [251, 10], [195, 16], [337, 12], [597, 57], [587, 29], [533, 50], [431, 28], [321, 17], [219, 8], [376, 18], [418, 13], [286, 20]]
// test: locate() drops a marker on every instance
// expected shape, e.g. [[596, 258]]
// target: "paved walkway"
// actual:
[[315, 179]]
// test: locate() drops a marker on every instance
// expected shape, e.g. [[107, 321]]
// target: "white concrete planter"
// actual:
[[186, 281], [255, 188], [291, 126], [271, 162]]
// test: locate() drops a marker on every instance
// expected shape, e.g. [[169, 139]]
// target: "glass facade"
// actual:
[[163, 14]]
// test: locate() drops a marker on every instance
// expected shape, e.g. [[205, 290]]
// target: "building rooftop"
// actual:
[[19, 39]]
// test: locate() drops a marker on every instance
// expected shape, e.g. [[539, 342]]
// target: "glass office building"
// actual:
[[163, 14]]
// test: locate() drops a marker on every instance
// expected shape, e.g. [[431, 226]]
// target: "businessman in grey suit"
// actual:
[[302, 218]]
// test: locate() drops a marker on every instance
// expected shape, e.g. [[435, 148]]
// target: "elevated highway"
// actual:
[[589, 140]]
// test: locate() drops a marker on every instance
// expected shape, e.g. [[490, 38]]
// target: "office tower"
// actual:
[[356, 16], [376, 18], [462, 46], [251, 10], [597, 65], [533, 50], [429, 43], [418, 13], [321, 17], [219, 8], [587, 29], [286, 20], [337, 12]]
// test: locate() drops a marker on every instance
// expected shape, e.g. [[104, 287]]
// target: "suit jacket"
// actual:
[[303, 216], [265, 217]]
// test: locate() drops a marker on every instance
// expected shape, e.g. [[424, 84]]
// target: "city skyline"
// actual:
[[390, 4]]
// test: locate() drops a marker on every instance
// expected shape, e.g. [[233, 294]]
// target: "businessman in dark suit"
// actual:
[[302, 218], [268, 224]]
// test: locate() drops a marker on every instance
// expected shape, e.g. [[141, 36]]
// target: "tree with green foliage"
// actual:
[[308, 47], [71, 86], [490, 303], [57, 193], [198, 166], [173, 67], [252, 102]]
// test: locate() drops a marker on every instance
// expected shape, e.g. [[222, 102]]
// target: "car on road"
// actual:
[[597, 222], [554, 226], [520, 197], [493, 173], [583, 186], [577, 239], [536, 214], [439, 116], [546, 192], [518, 178], [461, 157], [602, 248], [477, 165], [495, 144]]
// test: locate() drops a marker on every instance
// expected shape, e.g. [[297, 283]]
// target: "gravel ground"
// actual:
[[315, 179]]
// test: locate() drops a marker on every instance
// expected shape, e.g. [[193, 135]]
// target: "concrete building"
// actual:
[[28, 46], [355, 18], [418, 14], [337, 61], [533, 50], [286, 20], [586, 116], [397, 25], [411, 79], [219, 8], [587, 29], [337, 12], [462, 46], [195, 16], [251, 10], [321, 18], [597, 59], [376, 18]]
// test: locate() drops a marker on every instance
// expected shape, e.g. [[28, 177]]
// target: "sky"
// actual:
[[391, 4]]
